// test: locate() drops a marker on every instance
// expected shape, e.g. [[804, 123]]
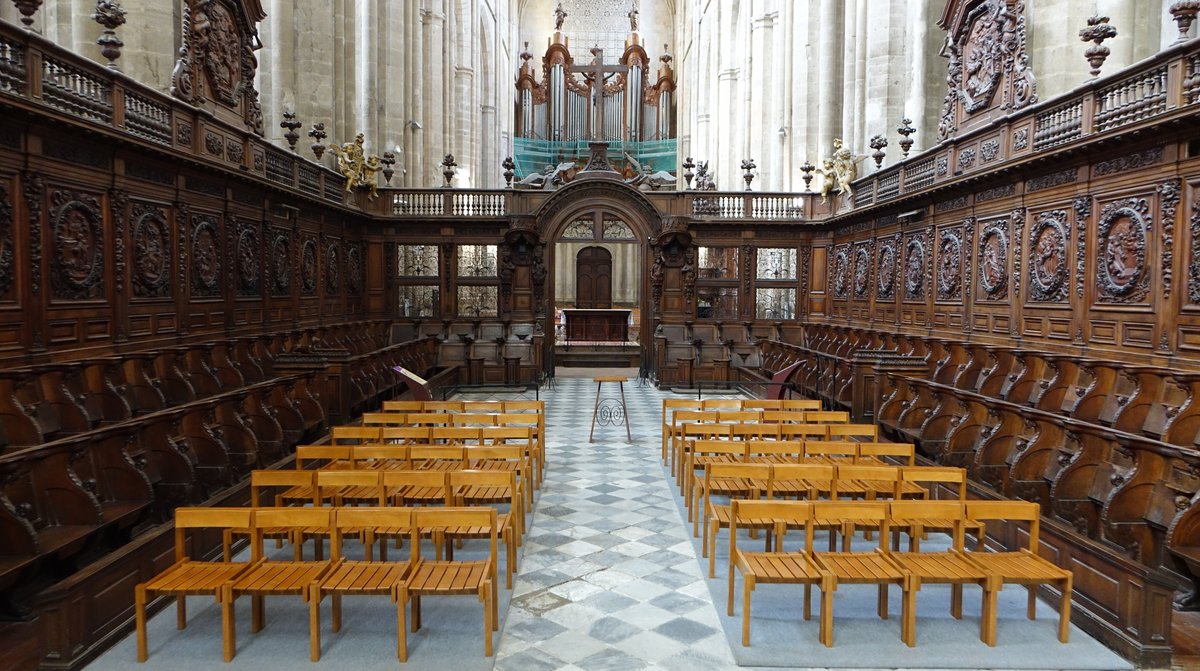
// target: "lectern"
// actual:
[[418, 387]]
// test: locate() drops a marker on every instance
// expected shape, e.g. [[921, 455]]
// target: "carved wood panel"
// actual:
[[151, 267], [1122, 272], [76, 223], [248, 262], [862, 269], [950, 264], [1049, 271], [888, 267], [204, 252], [281, 262], [308, 264], [841, 270], [916, 263], [993, 260], [8, 269]]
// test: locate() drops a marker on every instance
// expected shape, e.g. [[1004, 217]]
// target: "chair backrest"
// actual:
[[1013, 511], [207, 518], [721, 404], [440, 519], [442, 406], [693, 416], [905, 452], [950, 475], [784, 416], [914, 511], [286, 518], [370, 456], [353, 520], [792, 450], [827, 416], [801, 404], [762, 404], [755, 431], [782, 514], [327, 480], [739, 416], [384, 418], [822, 477], [271, 478], [429, 418], [483, 406], [499, 435], [737, 470], [424, 453], [525, 406], [473, 419], [353, 435], [457, 480], [331, 453], [394, 482], [830, 449], [847, 431], [729, 448], [864, 473], [405, 434], [403, 406], [694, 431], [803, 431], [528, 419], [455, 435], [848, 513]]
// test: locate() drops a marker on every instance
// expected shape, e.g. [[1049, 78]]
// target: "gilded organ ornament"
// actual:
[[914, 269], [78, 264], [1121, 232], [886, 273], [949, 274], [206, 257], [151, 252], [993, 261], [1048, 269]]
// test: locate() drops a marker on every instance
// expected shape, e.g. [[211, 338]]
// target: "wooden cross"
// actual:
[[594, 73]]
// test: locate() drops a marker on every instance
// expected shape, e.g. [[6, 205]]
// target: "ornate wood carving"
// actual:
[[281, 262], [1129, 162], [34, 192], [995, 192], [887, 267], [77, 227], [1021, 139], [841, 271], [862, 269], [333, 265], [1053, 179], [966, 159], [1168, 194], [216, 60], [915, 260], [152, 252], [7, 269], [1083, 212], [950, 263], [986, 48], [1048, 270], [205, 247], [1121, 245], [118, 206], [308, 265], [1017, 218], [354, 269], [249, 253], [1194, 263], [993, 260], [989, 149], [805, 260]]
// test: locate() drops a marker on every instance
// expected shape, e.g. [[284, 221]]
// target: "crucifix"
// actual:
[[595, 75]]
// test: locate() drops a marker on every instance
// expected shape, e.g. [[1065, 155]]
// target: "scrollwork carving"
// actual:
[[333, 266], [354, 269], [308, 266], [281, 263], [1017, 219], [77, 227], [1194, 263], [1083, 211], [862, 270], [1168, 194], [841, 272], [1121, 241], [1048, 257], [118, 204], [152, 251]]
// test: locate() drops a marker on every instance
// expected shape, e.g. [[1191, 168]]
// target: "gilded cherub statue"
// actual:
[[356, 166], [839, 171]]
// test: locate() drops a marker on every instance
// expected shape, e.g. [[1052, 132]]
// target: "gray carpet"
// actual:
[[780, 637]]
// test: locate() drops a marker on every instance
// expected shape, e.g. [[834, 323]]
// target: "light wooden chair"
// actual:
[[473, 419], [679, 420], [336, 456], [950, 567], [348, 488], [739, 416], [455, 435], [488, 407], [188, 576], [853, 432], [538, 410], [689, 434], [774, 451], [380, 457], [514, 458], [755, 431], [746, 481], [347, 577], [887, 454], [474, 488], [266, 577], [703, 453], [1023, 566], [809, 481], [447, 577], [403, 406], [827, 417], [801, 404], [429, 419], [437, 457], [371, 419], [405, 435], [278, 488], [803, 431], [353, 435], [859, 568], [791, 568], [920, 482], [721, 404], [408, 488], [869, 483], [784, 416], [762, 404], [832, 452], [441, 406], [517, 421]]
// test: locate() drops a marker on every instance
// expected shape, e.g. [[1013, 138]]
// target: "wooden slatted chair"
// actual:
[[487, 407], [187, 576], [353, 435], [774, 451], [517, 423], [721, 404], [447, 577], [747, 481], [380, 457], [473, 419], [703, 453], [827, 417], [266, 577], [335, 456], [853, 432], [429, 418], [808, 481], [832, 452], [869, 483], [351, 488], [455, 435], [803, 431], [370, 419], [437, 457], [1023, 566], [755, 431], [408, 488], [514, 458], [792, 568], [278, 488], [346, 577], [950, 567], [441, 406], [739, 416], [474, 488], [403, 406], [887, 454], [919, 482], [689, 434], [679, 421], [801, 404], [784, 416], [405, 435], [859, 568], [538, 410], [762, 404]]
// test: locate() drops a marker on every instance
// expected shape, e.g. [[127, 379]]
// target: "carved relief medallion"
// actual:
[[247, 260], [7, 271], [151, 252], [308, 267], [1121, 273], [981, 60], [78, 232], [354, 269], [281, 264], [841, 272], [914, 269], [333, 269], [886, 273], [219, 38], [1048, 257], [206, 257], [949, 274], [993, 261], [862, 271]]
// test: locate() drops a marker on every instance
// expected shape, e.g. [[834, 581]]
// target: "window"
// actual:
[[716, 302], [717, 283], [776, 263], [477, 261], [478, 300], [718, 263], [417, 275], [775, 303]]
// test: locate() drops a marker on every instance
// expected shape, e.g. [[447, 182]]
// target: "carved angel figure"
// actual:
[[356, 167], [559, 17], [655, 180], [839, 171]]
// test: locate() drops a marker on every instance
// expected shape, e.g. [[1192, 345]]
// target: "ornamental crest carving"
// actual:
[[216, 60], [333, 268], [1048, 268], [1121, 232], [841, 272], [77, 226], [885, 274], [151, 252], [949, 272], [281, 263], [308, 267], [206, 257], [7, 271], [862, 271], [985, 45], [914, 269], [993, 261], [248, 265]]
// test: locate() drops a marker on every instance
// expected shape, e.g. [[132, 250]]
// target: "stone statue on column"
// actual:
[[559, 17]]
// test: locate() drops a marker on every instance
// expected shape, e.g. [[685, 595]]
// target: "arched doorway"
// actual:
[[593, 278]]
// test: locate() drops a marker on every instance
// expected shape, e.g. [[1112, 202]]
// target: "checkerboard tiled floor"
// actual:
[[609, 579]]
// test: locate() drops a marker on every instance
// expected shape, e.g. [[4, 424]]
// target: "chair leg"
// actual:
[[825, 633], [1064, 612], [747, 589], [488, 619], [228, 625], [710, 544], [807, 602], [336, 608], [729, 605], [314, 624], [416, 612], [883, 602], [908, 614], [401, 625], [1031, 602], [956, 592], [139, 604], [257, 615], [180, 611]]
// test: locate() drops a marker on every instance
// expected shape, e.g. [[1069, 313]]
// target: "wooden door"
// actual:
[[593, 278]]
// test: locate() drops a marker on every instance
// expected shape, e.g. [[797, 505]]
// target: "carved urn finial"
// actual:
[[1184, 12], [291, 124], [510, 169], [388, 160], [318, 134], [807, 174], [878, 143], [109, 15], [448, 166], [1098, 29], [748, 168], [906, 130], [688, 164], [27, 8]]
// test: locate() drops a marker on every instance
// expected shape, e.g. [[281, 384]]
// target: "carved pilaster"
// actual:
[[1168, 193], [7, 269], [1083, 210], [950, 263]]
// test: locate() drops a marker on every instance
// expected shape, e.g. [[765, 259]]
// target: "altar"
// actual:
[[596, 325]]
